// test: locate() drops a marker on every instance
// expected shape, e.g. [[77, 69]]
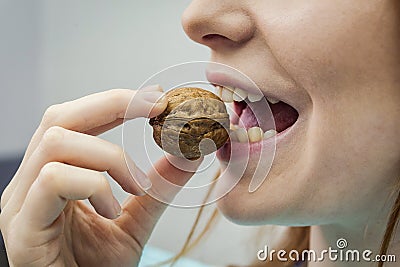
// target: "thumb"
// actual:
[[146, 210]]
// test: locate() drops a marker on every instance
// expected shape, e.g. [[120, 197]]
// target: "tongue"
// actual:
[[247, 118], [284, 116]]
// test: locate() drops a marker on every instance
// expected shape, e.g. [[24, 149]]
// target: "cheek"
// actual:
[[330, 44], [346, 146], [333, 165]]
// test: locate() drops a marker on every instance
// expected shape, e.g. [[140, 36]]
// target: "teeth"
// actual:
[[242, 136], [233, 136], [219, 89], [239, 94], [233, 127], [254, 134], [270, 133], [272, 100], [229, 94], [254, 97]]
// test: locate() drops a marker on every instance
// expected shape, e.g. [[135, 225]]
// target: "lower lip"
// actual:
[[240, 150]]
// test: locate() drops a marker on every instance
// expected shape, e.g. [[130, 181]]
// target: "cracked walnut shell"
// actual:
[[195, 123]]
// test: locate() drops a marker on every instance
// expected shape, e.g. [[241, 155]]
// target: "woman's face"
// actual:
[[338, 64]]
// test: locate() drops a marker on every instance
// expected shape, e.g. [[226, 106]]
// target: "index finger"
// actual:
[[96, 113], [101, 109]]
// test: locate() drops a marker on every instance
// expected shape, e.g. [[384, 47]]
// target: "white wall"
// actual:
[[96, 45], [19, 74], [61, 50]]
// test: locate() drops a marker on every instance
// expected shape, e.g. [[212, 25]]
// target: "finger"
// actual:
[[101, 109], [56, 184], [104, 128], [146, 210], [94, 114], [85, 151]]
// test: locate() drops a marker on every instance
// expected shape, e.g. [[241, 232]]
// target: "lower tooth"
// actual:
[[233, 136], [242, 136], [270, 133], [233, 127], [255, 134]]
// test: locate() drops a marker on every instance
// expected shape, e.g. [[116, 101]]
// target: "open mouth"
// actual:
[[252, 121]]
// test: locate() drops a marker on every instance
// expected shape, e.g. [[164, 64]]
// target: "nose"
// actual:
[[218, 23]]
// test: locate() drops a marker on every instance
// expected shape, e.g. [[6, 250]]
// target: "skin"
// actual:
[[43, 219], [339, 61]]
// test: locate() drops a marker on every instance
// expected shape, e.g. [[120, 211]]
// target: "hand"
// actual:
[[44, 220]]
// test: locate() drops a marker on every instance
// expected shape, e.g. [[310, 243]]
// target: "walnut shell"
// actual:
[[194, 123]]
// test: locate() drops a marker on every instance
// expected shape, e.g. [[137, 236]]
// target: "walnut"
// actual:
[[194, 123]]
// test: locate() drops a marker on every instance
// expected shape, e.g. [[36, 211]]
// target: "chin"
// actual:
[[245, 208], [276, 202]]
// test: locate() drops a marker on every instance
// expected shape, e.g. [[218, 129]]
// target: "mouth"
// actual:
[[251, 121], [256, 119]]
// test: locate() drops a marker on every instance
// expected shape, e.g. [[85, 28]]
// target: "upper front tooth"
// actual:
[[227, 95], [254, 97], [272, 100], [239, 94], [218, 89]]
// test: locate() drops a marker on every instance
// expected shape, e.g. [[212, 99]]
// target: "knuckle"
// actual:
[[50, 116], [103, 184], [49, 172], [4, 198], [117, 152], [118, 94], [3, 222], [52, 138]]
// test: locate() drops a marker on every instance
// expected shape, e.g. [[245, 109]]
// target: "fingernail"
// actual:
[[154, 97], [162, 99], [152, 88], [153, 94], [117, 208], [184, 164], [142, 179], [138, 176]]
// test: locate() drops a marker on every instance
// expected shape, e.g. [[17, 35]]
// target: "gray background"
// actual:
[[54, 51]]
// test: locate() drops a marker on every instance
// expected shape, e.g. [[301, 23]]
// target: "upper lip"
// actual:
[[224, 77]]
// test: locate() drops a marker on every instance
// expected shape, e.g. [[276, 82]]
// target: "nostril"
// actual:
[[216, 40], [218, 26], [211, 37]]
